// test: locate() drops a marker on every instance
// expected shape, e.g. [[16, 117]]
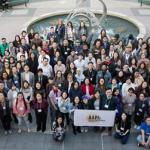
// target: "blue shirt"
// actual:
[[146, 128]]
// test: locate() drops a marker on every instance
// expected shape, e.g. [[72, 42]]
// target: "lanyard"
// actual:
[[39, 105], [108, 102]]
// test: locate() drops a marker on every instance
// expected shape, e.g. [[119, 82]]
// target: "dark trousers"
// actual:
[[41, 118], [6, 120], [4, 5], [109, 129], [15, 118], [30, 117], [53, 116], [76, 129], [65, 116], [124, 139], [129, 117], [138, 120]]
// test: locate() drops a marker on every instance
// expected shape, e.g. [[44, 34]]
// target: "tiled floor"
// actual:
[[84, 141], [144, 12], [19, 12]]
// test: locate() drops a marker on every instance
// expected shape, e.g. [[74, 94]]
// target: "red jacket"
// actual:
[[91, 89]]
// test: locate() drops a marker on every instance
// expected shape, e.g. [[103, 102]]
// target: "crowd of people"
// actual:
[[4, 4], [63, 71]]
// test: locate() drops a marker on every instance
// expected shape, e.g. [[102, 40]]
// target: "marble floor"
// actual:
[[12, 22]]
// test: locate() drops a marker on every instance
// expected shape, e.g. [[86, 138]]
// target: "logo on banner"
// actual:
[[94, 118]]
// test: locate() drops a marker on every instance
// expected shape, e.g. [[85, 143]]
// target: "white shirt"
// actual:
[[19, 54], [26, 76], [47, 70], [80, 64], [40, 59], [125, 88], [87, 60]]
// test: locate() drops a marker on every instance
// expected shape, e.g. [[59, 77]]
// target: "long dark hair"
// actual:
[[62, 124], [25, 104], [25, 81], [70, 24], [83, 26]]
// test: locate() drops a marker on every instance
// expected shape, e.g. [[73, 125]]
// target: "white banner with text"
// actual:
[[97, 118]]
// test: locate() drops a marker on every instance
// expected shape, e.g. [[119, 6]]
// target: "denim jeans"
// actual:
[[123, 138], [25, 119]]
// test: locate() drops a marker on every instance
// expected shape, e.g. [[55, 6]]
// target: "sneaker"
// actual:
[[139, 145], [19, 131], [85, 130], [9, 131], [29, 130], [109, 133], [138, 128], [82, 130], [5, 132], [135, 126]]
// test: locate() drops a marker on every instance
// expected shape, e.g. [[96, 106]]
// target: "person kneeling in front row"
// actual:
[[59, 129], [144, 138], [123, 129]]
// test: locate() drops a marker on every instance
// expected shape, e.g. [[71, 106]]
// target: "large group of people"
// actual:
[[63, 70], [4, 4]]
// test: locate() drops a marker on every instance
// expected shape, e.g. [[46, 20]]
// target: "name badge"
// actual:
[[140, 110], [21, 108], [39, 110], [96, 108], [57, 98], [122, 128], [16, 82], [64, 108], [106, 106]]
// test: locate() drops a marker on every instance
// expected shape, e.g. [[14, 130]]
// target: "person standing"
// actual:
[[3, 46], [28, 76], [60, 31], [140, 109], [5, 114], [21, 108], [129, 103], [41, 107], [109, 103], [12, 95], [144, 138], [64, 105], [53, 97]]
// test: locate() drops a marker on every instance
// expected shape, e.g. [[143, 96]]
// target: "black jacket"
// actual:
[[140, 108], [6, 111], [108, 104], [91, 75], [75, 92], [123, 126], [43, 80]]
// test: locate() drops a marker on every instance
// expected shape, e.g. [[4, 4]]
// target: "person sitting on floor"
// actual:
[[59, 129], [144, 138], [123, 129]]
